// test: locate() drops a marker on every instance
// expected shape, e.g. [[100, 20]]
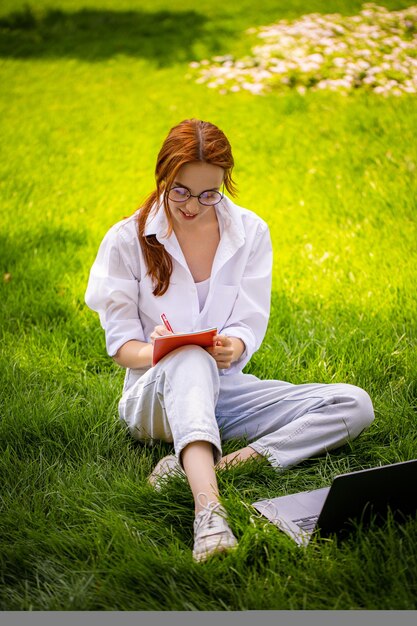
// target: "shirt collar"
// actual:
[[157, 223]]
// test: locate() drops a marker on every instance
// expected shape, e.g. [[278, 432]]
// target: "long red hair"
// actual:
[[191, 140]]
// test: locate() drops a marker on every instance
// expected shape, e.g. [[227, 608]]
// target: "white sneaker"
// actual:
[[212, 533], [163, 470]]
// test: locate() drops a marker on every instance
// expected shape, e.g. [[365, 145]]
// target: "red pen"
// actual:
[[166, 323]]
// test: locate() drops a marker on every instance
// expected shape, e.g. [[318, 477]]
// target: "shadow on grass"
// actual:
[[165, 37], [41, 303], [37, 294]]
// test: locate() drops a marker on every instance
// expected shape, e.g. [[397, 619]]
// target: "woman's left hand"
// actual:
[[223, 351]]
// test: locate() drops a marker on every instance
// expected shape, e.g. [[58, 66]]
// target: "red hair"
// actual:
[[191, 140]]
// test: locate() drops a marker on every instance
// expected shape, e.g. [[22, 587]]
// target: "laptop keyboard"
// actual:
[[306, 523]]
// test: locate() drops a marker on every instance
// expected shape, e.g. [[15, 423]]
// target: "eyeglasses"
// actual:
[[207, 198]]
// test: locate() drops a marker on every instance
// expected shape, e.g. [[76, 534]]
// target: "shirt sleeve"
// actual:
[[113, 290], [250, 315]]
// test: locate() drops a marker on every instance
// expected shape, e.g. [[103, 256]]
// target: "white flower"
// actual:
[[317, 58]]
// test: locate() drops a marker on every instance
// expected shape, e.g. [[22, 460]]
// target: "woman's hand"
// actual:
[[226, 350], [159, 331]]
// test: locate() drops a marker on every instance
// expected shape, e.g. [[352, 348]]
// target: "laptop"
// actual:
[[359, 496]]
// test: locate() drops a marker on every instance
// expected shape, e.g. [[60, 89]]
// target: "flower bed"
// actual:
[[375, 50]]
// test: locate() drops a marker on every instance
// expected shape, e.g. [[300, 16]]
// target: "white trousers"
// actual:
[[184, 399]]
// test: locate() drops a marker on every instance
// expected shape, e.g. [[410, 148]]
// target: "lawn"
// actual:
[[89, 92]]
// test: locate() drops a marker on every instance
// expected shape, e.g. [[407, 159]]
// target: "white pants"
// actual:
[[184, 399]]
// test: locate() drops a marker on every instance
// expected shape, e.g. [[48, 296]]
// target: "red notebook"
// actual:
[[167, 343]]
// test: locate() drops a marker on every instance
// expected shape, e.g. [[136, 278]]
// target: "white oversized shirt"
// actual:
[[238, 301]]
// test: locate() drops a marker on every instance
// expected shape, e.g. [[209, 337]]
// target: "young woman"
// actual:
[[191, 253]]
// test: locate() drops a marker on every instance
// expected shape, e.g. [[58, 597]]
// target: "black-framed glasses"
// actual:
[[207, 198]]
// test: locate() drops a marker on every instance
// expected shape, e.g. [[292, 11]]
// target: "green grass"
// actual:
[[90, 90]]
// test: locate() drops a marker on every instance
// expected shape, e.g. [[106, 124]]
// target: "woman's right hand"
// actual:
[[159, 331]]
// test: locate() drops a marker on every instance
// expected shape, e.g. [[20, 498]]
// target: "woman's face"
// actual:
[[196, 177]]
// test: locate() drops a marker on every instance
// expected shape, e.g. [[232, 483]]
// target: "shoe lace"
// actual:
[[212, 515]]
